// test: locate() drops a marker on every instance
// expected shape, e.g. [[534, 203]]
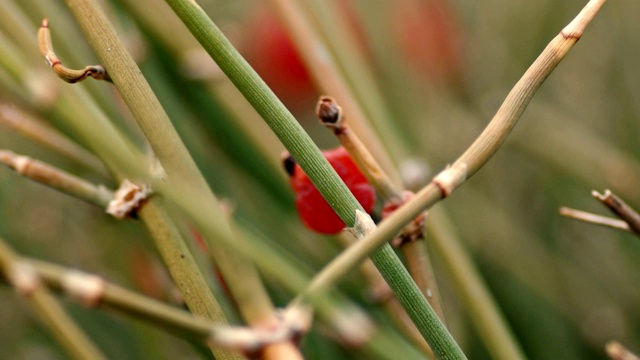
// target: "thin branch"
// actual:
[[595, 219], [26, 281], [307, 154], [57, 178], [326, 74], [620, 208], [30, 127], [93, 291], [474, 293], [469, 163], [182, 266], [184, 182], [332, 117], [411, 238]]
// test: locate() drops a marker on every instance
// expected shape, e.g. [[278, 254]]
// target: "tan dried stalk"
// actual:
[[26, 281], [466, 165], [56, 178]]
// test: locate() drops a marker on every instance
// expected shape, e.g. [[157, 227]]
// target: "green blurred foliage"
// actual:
[[566, 288]]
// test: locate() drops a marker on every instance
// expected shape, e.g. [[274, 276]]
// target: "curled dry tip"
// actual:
[[329, 112], [45, 44]]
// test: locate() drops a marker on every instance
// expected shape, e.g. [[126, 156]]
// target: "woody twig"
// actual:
[[411, 238]]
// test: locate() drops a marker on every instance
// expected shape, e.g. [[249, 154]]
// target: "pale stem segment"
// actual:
[[333, 118], [93, 291], [595, 219], [56, 178], [26, 281], [617, 351]]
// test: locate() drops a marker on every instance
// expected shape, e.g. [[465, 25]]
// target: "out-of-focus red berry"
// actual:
[[271, 53], [314, 211], [429, 36]]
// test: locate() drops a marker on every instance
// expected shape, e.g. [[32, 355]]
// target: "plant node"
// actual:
[[128, 199]]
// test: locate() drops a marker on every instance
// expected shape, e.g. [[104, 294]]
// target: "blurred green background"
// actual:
[[443, 68]]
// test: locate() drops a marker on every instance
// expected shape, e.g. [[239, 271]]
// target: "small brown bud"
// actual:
[[329, 112]]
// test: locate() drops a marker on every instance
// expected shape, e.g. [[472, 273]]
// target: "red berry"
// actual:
[[429, 37], [315, 212], [272, 54]]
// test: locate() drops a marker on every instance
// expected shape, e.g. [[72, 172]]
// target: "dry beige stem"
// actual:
[[450, 178], [594, 219], [30, 126], [56, 178], [332, 116], [620, 208]]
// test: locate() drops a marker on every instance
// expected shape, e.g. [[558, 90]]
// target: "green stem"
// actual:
[[184, 181], [466, 165], [283, 124], [39, 131], [351, 56], [328, 78], [180, 261], [416, 305], [489, 321], [315, 165], [128, 302]]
